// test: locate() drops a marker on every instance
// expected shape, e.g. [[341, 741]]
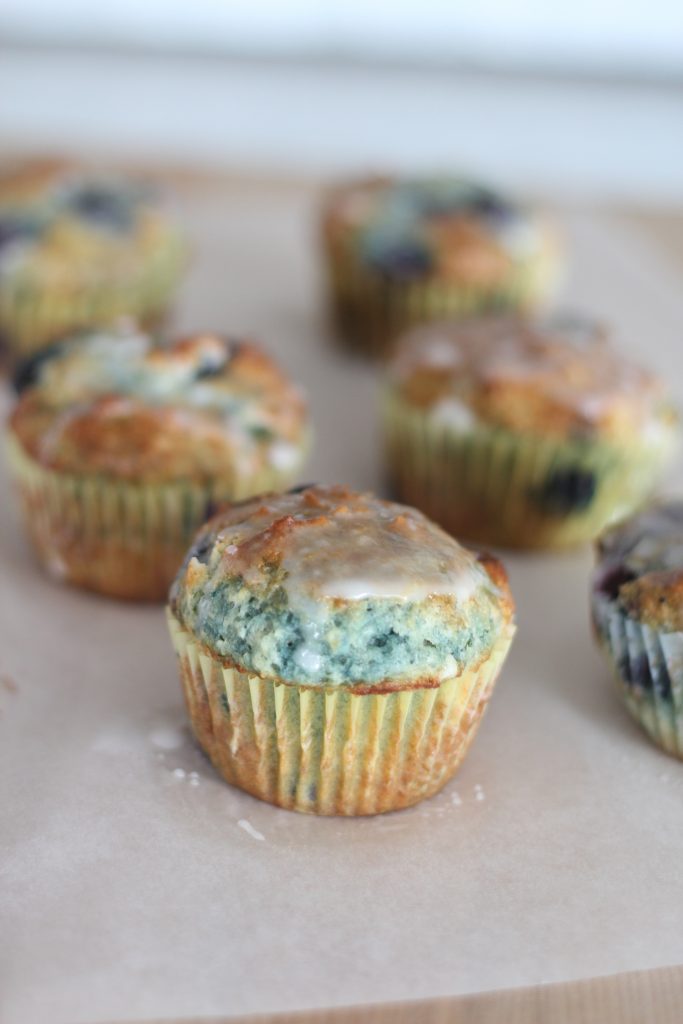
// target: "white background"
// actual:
[[581, 99], [603, 36]]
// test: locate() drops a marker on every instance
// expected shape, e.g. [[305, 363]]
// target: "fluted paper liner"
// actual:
[[487, 483], [371, 310], [124, 539], [647, 664], [327, 750]]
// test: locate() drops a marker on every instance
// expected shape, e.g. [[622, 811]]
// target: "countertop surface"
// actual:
[[138, 886]]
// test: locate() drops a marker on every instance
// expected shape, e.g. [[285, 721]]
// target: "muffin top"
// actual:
[[558, 376], [57, 220], [325, 586], [446, 227], [118, 404], [640, 566]]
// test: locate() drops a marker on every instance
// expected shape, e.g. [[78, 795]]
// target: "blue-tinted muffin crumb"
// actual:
[[370, 641]]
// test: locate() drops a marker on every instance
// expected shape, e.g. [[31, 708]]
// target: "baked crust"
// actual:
[[117, 405], [27, 181], [555, 377], [68, 227], [447, 229]]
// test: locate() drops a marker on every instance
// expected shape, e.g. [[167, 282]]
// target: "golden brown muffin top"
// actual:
[[25, 181], [59, 220], [449, 228], [117, 404], [343, 545], [558, 376], [640, 565], [327, 585]]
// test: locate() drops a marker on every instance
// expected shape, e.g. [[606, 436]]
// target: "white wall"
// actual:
[[642, 37], [609, 142]]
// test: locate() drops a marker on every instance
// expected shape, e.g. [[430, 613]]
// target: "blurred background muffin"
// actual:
[[637, 606], [78, 249], [527, 434], [336, 651], [121, 448], [405, 251]]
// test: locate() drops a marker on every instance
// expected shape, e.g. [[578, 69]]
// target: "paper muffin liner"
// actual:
[[371, 311], [126, 540], [327, 750], [518, 490], [647, 664], [31, 316]]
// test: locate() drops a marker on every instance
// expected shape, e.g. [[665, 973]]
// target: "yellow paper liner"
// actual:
[[371, 311], [327, 750], [126, 540], [486, 483]]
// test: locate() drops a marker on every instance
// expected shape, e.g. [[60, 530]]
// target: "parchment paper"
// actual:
[[137, 885]]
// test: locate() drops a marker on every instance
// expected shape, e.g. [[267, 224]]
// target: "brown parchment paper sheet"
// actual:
[[137, 885]]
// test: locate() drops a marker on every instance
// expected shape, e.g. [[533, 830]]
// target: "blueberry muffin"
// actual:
[[121, 448], [336, 651], [406, 251], [526, 434], [637, 605], [79, 249]]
